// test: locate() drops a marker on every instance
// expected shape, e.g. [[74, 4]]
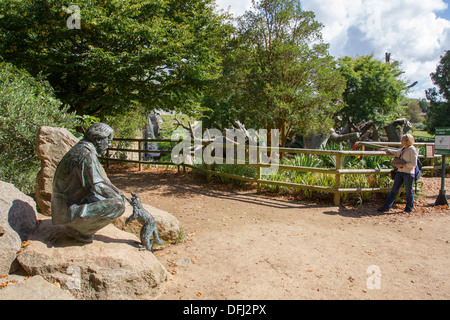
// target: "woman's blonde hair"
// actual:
[[409, 139]]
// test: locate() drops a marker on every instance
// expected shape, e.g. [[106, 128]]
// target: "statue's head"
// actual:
[[101, 135]]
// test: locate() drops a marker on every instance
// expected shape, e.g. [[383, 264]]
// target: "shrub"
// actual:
[[26, 104]]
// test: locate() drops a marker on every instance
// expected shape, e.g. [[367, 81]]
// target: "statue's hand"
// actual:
[[128, 199]]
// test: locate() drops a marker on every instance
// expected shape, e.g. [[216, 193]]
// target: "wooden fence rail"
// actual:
[[338, 171]]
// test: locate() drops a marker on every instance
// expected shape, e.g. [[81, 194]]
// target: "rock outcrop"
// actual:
[[18, 220], [112, 267], [34, 288]]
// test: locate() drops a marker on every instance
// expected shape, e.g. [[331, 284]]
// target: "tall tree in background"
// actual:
[[439, 109], [106, 56], [373, 94], [278, 73], [414, 112]]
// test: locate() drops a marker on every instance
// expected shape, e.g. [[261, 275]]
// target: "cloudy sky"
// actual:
[[416, 32]]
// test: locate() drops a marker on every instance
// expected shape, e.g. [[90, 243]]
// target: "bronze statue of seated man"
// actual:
[[83, 199]]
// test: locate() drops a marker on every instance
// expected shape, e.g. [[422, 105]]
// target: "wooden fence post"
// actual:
[[258, 169], [208, 174], [139, 156], [107, 158], [337, 195]]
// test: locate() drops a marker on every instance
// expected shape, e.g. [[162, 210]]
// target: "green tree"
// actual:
[[439, 108], [278, 73], [414, 112], [374, 91], [159, 53], [26, 104], [424, 105]]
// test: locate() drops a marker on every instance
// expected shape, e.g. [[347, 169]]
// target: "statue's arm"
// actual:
[[92, 177]]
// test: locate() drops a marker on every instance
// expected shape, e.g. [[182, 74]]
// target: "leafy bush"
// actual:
[[26, 104], [240, 170]]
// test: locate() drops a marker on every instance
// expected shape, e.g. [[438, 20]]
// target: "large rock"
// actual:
[[167, 225], [52, 144], [112, 267], [34, 288], [18, 220]]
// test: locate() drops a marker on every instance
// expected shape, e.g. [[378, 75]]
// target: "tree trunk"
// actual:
[[349, 137], [397, 129], [315, 141]]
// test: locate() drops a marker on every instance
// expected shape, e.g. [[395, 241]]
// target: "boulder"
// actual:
[[167, 225], [18, 220], [34, 288], [52, 144], [112, 267]]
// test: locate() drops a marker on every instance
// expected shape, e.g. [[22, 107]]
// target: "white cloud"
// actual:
[[409, 29], [236, 7]]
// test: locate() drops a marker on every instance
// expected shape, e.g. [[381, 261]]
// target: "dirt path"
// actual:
[[243, 245]]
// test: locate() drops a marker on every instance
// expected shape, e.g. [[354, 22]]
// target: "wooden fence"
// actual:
[[338, 171]]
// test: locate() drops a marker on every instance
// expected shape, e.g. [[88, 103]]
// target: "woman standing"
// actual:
[[405, 173]]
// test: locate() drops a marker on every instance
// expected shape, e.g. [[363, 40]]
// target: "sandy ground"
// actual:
[[242, 245]]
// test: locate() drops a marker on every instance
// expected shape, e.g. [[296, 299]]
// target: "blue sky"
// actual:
[[415, 32], [445, 14]]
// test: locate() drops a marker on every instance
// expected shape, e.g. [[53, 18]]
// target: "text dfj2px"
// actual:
[[239, 309]]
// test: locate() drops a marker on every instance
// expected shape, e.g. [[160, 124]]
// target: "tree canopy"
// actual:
[[158, 53], [439, 108], [278, 73], [374, 90]]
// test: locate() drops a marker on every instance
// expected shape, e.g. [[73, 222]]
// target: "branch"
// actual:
[[344, 137], [190, 129]]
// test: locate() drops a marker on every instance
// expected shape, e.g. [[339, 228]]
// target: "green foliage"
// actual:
[[126, 125], [240, 170], [424, 105], [439, 108], [414, 112], [441, 77], [327, 180], [277, 74], [84, 122], [158, 53], [26, 104], [374, 90], [304, 160], [438, 116]]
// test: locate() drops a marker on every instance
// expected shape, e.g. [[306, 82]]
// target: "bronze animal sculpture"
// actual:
[[148, 222]]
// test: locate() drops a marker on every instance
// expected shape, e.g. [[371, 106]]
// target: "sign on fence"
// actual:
[[442, 141]]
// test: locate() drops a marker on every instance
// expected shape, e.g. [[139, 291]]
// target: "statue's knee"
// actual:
[[119, 205]]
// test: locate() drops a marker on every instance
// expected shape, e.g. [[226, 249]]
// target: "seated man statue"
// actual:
[[83, 199]]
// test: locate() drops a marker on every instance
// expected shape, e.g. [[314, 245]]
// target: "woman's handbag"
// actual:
[[393, 173], [396, 161]]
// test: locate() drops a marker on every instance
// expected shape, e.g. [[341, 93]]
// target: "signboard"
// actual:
[[442, 141], [429, 150]]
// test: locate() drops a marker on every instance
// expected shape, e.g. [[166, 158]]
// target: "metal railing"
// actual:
[[338, 171]]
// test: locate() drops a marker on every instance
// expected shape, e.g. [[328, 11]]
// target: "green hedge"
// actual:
[[26, 104]]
